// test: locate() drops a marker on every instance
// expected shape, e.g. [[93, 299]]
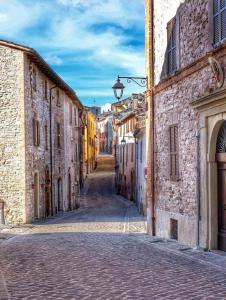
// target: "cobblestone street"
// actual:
[[101, 251]]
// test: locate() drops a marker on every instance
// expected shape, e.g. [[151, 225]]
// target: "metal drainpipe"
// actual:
[[149, 5], [50, 147]]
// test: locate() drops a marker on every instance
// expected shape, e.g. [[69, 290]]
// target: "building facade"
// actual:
[[90, 143], [186, 100], [105, 133], [39, 139], [128, 143]]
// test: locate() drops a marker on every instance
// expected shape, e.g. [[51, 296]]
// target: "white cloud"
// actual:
[[76, 30], [53, 60]]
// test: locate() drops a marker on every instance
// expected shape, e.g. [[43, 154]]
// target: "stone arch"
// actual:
[[213, 183]]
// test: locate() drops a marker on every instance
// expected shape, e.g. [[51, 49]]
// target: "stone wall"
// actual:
[[12, 149], [178, 199], [195, 34]]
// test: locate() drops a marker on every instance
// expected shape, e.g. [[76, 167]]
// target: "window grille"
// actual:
[[174, 153], [171, 48]]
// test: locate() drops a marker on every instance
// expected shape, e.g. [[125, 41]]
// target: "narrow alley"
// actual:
[[101, 251]]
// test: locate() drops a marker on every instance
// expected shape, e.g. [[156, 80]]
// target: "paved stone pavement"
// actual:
[[101, 251]]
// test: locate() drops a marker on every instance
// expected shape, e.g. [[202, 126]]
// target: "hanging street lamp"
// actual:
[[119, 87]]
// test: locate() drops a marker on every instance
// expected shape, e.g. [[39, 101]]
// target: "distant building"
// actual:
[[90, 136], [126, 134], [105, 132], [96, 110]]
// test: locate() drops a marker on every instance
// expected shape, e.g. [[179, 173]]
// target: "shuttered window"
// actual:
[[174, 152], [36, 132], [58, 98], [219, 21], [58, 135], [46, 89], [171, 47], [34, 80], [46, 137]]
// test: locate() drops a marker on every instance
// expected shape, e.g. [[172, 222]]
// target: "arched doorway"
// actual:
[[47, 192], [36, 196], [221, 163], [69, 192], [59, 194]]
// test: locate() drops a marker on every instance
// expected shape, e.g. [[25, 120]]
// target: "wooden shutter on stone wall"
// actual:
[[174, 152], [36, 132], [171, 47], [219, 21]]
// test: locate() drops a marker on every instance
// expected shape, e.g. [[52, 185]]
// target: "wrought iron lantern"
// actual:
[[123, 142], [118, 88]]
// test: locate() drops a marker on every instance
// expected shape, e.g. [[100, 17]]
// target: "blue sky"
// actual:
[[88, 42]]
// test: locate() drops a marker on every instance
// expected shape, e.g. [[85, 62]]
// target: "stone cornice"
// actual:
[[216, 98]]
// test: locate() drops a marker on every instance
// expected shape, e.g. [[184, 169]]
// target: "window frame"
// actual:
[[173, 23], [215, 15]]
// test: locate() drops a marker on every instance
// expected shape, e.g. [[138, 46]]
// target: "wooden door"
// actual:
[[222, 206], [36, 196], [69, 192], [59, 194], [47, 193]]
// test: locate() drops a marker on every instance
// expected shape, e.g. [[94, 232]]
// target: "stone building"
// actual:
[[140, 158], [39, 137], [186, 124], [90, 137], [125, 122], [105, 132]]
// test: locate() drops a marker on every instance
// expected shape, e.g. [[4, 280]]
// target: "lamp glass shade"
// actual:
[[123, 142], [118, 88]]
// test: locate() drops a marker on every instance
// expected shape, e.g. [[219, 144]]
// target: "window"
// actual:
[[58, 135], [132, 152], [76, 152], [171, 48], [36, 132], [75, 116], [46, 89], [219, 21], [58, 98], [34, 79], [46, 137], [70, 114], [127, 153], [174, 155]]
